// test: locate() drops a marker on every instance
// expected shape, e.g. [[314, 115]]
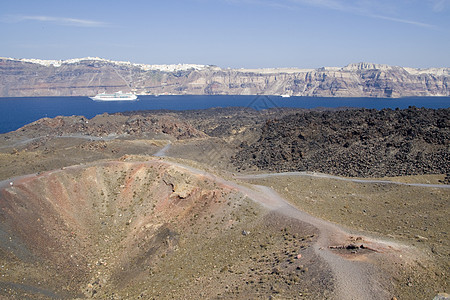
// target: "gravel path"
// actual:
[[321, 175], [354, 279], [162, 152]]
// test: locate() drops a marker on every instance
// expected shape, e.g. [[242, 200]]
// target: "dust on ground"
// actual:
[[417, 216]]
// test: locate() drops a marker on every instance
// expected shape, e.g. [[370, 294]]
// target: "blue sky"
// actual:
[[231, 33]]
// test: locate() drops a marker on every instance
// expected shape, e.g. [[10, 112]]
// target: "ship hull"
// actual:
[[119, 96], [114, 98]]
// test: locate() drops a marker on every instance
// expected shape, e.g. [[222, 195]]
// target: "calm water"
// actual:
[[16, 112]]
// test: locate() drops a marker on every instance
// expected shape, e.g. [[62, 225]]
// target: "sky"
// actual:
[[231, 33]]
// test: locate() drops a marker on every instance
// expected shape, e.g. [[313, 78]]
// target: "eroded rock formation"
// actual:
[[89, 76]]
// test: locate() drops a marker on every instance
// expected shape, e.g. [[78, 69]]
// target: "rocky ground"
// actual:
[[361, 143], [101, 217]]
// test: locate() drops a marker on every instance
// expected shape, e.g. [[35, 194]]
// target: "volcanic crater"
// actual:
[[144, 229]]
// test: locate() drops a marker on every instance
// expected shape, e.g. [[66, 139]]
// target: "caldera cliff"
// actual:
[[89, 76]]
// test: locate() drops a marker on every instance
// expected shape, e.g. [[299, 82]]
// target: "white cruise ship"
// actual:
[[118, 96]]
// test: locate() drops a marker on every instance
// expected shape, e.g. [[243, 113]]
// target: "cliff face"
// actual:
[[89, 76]]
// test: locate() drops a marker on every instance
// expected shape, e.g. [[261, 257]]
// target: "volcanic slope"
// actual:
[[49, 144], [148, 229]]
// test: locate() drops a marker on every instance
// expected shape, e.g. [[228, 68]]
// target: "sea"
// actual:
[[19, 111]]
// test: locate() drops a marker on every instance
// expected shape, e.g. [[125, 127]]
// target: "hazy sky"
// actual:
[[231, 33]]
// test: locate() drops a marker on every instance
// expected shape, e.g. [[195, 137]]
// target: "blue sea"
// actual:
[[16, 112]]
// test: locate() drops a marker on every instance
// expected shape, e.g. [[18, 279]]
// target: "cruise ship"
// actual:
[[118, 96]]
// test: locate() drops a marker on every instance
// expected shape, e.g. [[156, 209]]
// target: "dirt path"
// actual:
[[355, 279], [321, 175], [162, 152]]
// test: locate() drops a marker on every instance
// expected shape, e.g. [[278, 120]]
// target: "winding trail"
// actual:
[[321, 175], [355, 277]]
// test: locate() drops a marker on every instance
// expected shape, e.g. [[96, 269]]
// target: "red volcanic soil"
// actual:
[[73, 219], [147, 229]]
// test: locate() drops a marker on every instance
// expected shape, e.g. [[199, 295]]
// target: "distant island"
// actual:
[[89, 76]]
